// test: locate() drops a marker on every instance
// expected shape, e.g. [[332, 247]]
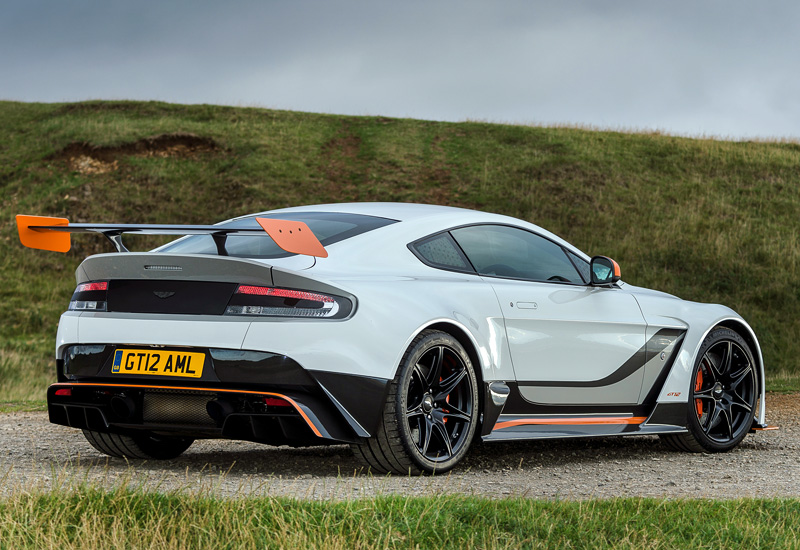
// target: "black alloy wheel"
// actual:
[[724, 394], [431, 413], [438, 404]]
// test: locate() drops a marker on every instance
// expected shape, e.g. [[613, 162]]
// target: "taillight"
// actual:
[[283, 293], [87, 287], [276, 402], [89, 297], [285, 302]]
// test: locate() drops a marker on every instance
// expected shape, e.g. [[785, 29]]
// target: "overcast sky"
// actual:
[[727, 69]]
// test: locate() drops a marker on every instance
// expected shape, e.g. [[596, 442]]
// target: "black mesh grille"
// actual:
[[167, 296], [177, 408]]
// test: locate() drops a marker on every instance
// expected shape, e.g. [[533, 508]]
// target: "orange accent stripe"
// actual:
[[42, 239], [289, 399], [570, 421]]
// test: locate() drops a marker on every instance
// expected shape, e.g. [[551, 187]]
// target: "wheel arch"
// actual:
[[460, 334]]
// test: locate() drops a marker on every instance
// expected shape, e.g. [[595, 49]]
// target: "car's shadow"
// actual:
[[244, 459]]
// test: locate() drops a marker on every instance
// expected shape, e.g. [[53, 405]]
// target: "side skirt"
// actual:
[[549, 422], [515, 428]]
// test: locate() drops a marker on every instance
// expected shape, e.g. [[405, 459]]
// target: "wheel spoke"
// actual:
[[710, 369], [440, 428], [712, 366], [725, 361], [419, 375], [703, 394], [737, 378], [713, 417], [726, 416], [447, 386], [436, 367], [738, 401], [457, 416], [449, 407], [415, 411], [428, 425]]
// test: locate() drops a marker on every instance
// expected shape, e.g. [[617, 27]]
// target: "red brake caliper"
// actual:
[[698, 384]]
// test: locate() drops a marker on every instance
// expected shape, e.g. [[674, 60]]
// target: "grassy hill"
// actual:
[[710, 221]]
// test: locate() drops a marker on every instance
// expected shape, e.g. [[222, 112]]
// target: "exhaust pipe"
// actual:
[[123, 406], [218, 410]]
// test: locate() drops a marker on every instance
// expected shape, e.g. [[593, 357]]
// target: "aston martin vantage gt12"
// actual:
[[406, 331]]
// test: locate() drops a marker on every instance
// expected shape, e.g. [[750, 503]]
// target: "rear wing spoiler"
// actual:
[[46, 233]]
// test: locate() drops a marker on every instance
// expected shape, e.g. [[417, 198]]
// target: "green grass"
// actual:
[[710, 221], [88, 518], [23, 406]]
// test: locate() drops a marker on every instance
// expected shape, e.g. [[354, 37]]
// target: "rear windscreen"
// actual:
[[328, 227]]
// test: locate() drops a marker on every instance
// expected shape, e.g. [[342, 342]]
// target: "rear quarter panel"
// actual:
[[390, 312]]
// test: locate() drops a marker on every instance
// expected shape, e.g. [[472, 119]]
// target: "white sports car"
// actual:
[[404, 330]]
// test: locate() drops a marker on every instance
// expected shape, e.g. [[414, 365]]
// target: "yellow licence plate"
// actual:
[[158, 362]]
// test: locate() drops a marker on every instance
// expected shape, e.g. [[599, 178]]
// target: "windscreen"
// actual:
[[328, 227]]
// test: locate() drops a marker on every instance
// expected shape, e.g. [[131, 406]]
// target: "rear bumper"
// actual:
[[254, 396]]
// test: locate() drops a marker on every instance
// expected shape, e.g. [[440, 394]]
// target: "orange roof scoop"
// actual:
[[293, 236], [41, 237]]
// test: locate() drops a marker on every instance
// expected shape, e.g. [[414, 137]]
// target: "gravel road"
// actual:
[[37, 454]]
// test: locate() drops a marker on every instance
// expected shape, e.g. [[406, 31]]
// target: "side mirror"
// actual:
[[605, 271]]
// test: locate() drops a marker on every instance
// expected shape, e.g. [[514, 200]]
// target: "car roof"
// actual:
[[418, 220], [399, 211]]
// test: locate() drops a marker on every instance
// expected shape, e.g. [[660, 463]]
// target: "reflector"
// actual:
[[275, 402]]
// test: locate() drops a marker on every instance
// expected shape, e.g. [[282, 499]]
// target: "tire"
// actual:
[[724, 393], [431, 411], [145, 446]]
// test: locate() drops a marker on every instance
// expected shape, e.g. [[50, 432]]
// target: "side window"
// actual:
[[441, 251], [582, 265], [503, 251]]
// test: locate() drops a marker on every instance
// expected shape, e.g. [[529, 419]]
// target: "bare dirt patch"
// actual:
[[93, 159], [767, 464]]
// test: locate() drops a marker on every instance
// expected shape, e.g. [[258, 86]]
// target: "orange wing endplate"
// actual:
[[42, 239], [293, 236]]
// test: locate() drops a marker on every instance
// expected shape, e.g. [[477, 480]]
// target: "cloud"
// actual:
[[713, 67]]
